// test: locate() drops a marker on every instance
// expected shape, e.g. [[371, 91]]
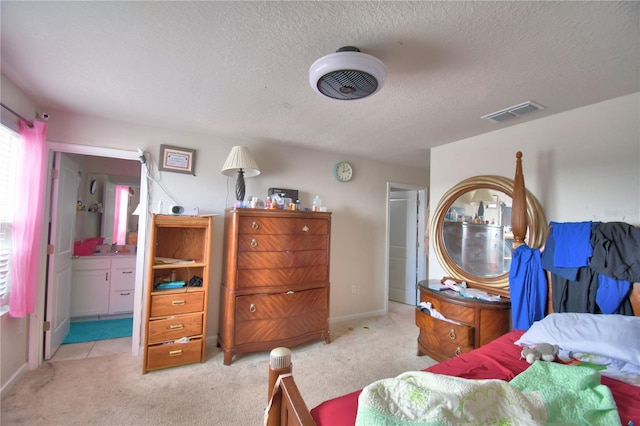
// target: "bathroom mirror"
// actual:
[[471, 229]]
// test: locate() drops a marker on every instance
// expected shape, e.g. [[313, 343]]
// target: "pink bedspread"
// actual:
[[499, 359]]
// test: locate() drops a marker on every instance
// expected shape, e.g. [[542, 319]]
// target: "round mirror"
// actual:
[[471, 229]]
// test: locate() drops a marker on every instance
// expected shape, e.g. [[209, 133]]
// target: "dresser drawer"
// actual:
[[282, 259], [174, 328], [283, 305], [270, 318], [282, 225], [437, 333], [259, 242], [176, 303], [290, 277], [162, 356], [453, 311]]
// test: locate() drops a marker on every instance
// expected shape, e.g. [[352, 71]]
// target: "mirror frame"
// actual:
[[537, 226]]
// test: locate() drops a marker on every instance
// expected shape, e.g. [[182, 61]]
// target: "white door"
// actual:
[[108, 202], [63, 215], [403, 246]]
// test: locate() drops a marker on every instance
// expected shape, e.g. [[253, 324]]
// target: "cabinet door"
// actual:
[[123, 279], [121, 301], [90, 293]]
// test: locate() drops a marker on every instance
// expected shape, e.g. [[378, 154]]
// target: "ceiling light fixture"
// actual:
[[513, 111], [347, 74]]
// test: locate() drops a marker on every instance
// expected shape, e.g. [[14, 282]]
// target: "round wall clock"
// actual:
[[343, 171]]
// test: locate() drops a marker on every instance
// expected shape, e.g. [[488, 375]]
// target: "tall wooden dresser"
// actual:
[[275, 289], [176, 314]]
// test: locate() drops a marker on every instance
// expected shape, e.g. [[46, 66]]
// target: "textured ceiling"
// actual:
[[241, 68]]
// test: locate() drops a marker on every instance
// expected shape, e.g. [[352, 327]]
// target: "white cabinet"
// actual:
[[90, 286], [123, 273], [102, 285]]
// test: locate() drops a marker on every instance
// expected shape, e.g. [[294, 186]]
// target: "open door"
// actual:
[[64, 190], [403, 246]]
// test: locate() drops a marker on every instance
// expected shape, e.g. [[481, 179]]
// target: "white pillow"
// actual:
[[613, 336]]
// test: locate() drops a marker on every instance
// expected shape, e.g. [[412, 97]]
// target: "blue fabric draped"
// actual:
[[527, 287], [573, 246]]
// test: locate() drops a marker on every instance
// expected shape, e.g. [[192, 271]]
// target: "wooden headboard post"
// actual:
[[519, 208]]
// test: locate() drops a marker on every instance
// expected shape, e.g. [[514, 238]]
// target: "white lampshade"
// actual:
[[240, 159], [240, 162], [483, 195]]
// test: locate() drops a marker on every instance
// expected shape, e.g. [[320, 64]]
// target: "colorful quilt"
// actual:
[[545, 393]]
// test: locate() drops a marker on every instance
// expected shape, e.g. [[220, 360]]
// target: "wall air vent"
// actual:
[[514, 111]]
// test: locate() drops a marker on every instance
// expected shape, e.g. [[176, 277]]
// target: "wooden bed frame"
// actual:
[[286, 405]]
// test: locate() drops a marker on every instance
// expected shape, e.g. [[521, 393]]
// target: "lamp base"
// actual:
[[240, 187]]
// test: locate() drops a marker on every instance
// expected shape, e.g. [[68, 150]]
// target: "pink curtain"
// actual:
[[120, 215], [27, 223]]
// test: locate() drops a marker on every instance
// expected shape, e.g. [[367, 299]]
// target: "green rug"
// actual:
[[88, 331]]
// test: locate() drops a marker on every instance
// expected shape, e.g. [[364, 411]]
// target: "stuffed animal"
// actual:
[[542, 351]]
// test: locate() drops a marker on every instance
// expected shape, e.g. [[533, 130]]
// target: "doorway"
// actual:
[[406, 241], [113, 156]]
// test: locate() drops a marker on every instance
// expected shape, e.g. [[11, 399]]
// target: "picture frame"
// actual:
[[176, 159]]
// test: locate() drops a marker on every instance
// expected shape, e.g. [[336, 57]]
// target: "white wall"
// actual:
[[581, 165], [359, 207]]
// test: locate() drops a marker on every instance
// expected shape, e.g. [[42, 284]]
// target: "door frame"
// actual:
[[421, 228], [36, 321]]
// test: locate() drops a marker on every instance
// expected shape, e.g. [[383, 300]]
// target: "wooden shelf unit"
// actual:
[[176, 319]]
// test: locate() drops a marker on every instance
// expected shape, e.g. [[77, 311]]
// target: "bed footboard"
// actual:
[[286, 407]]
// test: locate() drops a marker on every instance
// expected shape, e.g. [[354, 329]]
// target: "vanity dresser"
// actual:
[[275, 289], [472, 324], [480, 255]]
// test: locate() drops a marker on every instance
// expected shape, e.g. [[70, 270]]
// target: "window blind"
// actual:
[[8, 157]]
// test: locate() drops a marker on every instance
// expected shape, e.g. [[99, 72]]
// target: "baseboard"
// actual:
[[369, 314], [6, 388]]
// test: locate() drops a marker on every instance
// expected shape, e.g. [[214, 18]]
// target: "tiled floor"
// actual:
[[92, 349]]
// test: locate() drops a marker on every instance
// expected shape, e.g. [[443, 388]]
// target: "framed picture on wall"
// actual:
[[176, 159]]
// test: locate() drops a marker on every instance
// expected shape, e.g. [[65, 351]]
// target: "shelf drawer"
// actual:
[[174, 328], [176, 303], [282, 225], [162, 356], [446, 336]]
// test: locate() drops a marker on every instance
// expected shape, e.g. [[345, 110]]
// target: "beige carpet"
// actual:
[[111, 390]]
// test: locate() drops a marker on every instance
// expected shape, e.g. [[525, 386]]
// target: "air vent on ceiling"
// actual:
[[513, 111]]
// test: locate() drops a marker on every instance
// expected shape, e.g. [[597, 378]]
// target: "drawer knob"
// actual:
[[458, 351], [125, 294], [452, 334], [305, 228], [178, 302], [252, 308], [176, 327], [255, 225], [177, 352], [254, 243]]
